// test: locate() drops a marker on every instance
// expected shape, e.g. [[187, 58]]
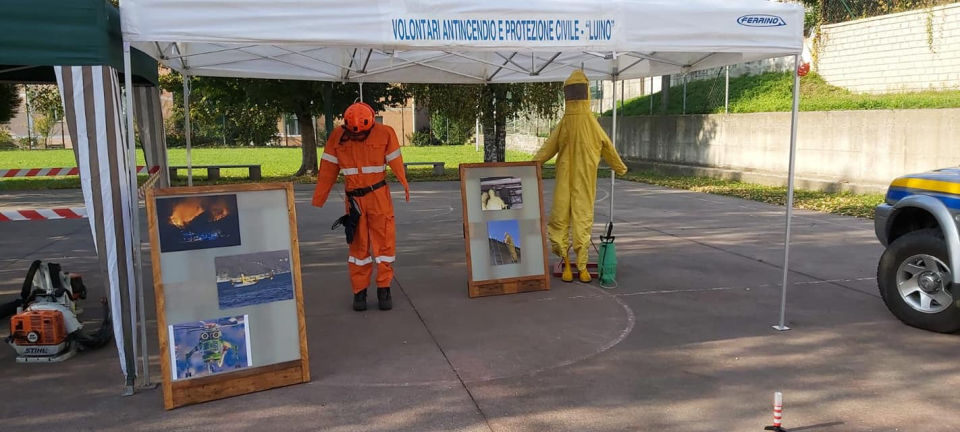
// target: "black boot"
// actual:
[[360, 301], [383, 297]]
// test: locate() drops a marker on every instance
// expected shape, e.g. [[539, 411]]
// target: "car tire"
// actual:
[[914, 282]]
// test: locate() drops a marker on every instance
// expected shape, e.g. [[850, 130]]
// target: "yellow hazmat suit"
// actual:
[[578, 141], [514, 258]]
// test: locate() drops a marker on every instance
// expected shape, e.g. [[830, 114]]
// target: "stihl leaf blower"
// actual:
[[45, 325]]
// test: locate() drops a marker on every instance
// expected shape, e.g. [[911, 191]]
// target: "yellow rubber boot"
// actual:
[[585, 276], [567, 275]]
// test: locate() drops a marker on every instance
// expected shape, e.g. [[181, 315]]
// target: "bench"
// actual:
[[437, 166], [213, 171]]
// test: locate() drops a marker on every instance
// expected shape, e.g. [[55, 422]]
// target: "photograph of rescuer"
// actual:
[[197, 222], [500, 193], [504, 240]]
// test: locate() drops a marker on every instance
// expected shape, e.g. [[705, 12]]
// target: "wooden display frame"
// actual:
[[248, 380], [513, 285]]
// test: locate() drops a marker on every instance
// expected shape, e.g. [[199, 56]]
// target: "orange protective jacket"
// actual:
[[362, 164]]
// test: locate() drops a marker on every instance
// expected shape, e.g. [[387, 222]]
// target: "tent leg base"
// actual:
[[129, 387], [781, 327]]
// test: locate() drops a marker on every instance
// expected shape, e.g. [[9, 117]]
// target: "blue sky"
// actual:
[[495, 230]]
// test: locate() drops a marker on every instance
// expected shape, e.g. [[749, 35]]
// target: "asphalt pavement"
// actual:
[[684, 343]]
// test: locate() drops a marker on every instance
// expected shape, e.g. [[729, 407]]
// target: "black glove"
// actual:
[[349, 221]]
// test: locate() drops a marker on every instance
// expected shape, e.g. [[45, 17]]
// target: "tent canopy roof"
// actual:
[[451, 41], [39, 34]]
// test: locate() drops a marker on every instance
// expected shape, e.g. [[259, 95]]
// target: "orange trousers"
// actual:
[[374, 243]]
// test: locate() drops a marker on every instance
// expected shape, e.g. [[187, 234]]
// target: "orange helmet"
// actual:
[[359, 117]]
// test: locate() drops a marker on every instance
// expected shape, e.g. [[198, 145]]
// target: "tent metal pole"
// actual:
[[684, 93], [614, 142], [186, 126], [135, 213], [650, 94], [726, 91], [790, 187], [26, 103]]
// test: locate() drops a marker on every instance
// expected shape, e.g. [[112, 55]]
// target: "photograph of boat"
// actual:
[[254, 278]]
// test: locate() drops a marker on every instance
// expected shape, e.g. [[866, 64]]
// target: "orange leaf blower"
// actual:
[[44, 326]]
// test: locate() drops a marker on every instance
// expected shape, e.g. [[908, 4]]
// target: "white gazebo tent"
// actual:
[[452, 41]]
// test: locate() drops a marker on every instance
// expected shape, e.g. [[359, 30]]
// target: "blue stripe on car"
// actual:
[[895, 194]]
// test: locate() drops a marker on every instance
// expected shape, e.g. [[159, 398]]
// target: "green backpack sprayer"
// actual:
[[607, 261]]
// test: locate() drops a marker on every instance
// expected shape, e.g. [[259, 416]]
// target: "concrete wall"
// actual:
[[865, 148], [917, 50], [525, 143]]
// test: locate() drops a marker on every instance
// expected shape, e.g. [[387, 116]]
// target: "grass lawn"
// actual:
[[277, 164], [844, 203], [772, 92]]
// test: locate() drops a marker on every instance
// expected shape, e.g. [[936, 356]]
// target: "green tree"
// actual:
[[251, 107], [307, 99], [43, 124], [220, 111], [9, 102], [46, 107], [493, 104], [451, 131]]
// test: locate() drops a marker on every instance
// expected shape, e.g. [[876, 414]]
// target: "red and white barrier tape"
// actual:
[[43, 214], [52, 172], [67, 212], [39, 172], [151, 183]]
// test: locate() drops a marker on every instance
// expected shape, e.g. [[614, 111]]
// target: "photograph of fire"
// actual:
[[504, 239], [253, 278], [191, 223]]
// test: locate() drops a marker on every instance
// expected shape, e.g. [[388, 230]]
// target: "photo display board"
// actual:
[[226, 271], [504, 228]]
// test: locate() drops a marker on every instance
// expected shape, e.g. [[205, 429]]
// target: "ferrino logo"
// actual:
[[761, 21]]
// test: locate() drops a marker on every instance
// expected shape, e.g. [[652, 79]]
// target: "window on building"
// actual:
[[291, 125]]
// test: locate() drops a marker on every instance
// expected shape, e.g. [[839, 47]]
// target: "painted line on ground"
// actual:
[[601, 293], [697, 290]]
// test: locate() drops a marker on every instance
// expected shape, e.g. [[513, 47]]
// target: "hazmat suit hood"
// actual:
[[578, 142], [576, 91]]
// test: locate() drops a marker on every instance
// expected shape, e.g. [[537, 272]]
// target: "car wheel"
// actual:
[[915, 282]]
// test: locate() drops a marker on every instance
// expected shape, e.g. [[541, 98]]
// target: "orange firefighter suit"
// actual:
[[361, 161]]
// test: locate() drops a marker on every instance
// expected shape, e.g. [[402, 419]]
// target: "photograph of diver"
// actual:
[[500, 193]]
